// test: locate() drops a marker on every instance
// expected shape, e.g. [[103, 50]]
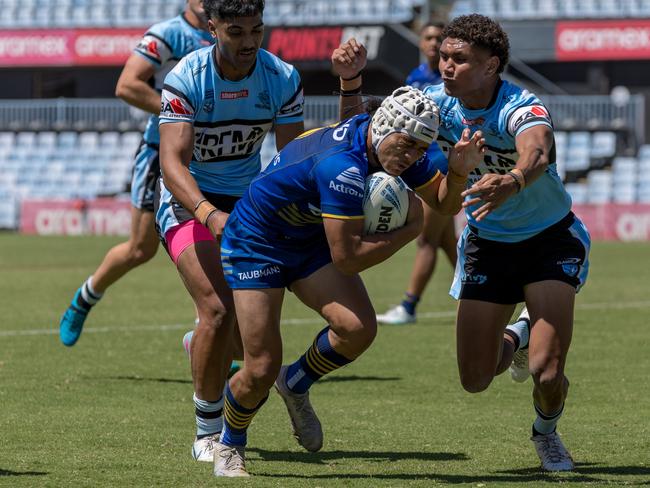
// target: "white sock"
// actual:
[[522, 331], [89, 294]]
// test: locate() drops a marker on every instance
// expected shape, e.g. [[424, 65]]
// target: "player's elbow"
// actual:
[[124, 89], [120, 90]]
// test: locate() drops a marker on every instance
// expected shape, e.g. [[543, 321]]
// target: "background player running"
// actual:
[[140, 82]]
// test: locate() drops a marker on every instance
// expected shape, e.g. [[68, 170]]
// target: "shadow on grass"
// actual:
[[7, 472], [584, 473], [140, 378], [354, 377], [444, 478], [595, 469], [324, 457]]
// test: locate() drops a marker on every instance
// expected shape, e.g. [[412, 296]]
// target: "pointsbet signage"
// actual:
[[602, 40]]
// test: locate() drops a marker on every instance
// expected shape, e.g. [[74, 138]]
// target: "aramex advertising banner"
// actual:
[[608, 222], [68, 47], [104, 216], [602, 40], [111, 216]]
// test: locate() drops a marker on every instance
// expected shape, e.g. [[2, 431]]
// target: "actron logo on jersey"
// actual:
[[527, 115], [348, 179], [228, 140]]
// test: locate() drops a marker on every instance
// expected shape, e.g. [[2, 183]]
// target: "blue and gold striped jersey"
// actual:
[[512, 111], [320, 174]]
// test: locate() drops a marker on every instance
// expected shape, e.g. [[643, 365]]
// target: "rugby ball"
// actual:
[[385, 203]]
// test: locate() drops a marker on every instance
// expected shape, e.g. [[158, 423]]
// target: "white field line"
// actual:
[[303, 321]]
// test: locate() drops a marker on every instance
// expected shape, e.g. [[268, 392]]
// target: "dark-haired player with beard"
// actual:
[[218, 104]]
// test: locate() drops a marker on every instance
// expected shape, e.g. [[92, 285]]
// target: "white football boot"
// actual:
[[203, 449], [305, 424], [519, 367], [229, 461], [552, 453], [396, 316]]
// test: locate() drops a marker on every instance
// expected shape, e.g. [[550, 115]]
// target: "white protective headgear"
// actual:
[[408, 111]]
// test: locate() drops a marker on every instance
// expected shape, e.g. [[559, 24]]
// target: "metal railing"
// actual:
[[589, 112]]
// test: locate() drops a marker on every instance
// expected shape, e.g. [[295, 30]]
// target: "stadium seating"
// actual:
[[89, 164], [141, 13], [553, 9], [69, 165]]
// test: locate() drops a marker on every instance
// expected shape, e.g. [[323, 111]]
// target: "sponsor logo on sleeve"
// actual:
[[174, 107], [349, 182], [293, 107], [526, 115], [153, 48]]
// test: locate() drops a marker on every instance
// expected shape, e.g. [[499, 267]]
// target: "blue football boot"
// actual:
[[72, 321]]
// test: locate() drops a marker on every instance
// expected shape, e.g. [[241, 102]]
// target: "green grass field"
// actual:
[[116, 409]]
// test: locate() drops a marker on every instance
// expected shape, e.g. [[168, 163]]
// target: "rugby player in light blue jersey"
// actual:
[[438, 230], [300, 226], [218, 104], [140, 83], [522, 242]]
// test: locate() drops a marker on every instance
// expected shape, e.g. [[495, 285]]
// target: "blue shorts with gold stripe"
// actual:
[[251, 261]]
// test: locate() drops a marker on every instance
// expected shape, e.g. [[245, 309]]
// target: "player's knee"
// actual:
[[474, 382], [141, 254], [216, 315], [262, 372], [359, 331], [549, 379]]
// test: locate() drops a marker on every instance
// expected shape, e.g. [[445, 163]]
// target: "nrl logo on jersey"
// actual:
[[263, 101], [226, 142], [208, 104]]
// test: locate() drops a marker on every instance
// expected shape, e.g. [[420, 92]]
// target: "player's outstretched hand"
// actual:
[[467, 153], [216, 222], [349, 59], [491, 190]]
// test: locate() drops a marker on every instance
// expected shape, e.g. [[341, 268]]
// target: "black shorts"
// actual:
[[497, 272]]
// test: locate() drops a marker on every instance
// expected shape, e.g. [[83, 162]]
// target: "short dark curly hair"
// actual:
[[481, 31], [228, 9]]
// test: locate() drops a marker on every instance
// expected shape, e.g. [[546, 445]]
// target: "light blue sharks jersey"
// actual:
[[320, 174], [163, 45], [511, 112], [230, 118]]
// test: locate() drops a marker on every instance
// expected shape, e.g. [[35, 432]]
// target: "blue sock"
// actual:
[[319, 360], [209, 416], [546, 423], [410, 302], [236, 420]]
